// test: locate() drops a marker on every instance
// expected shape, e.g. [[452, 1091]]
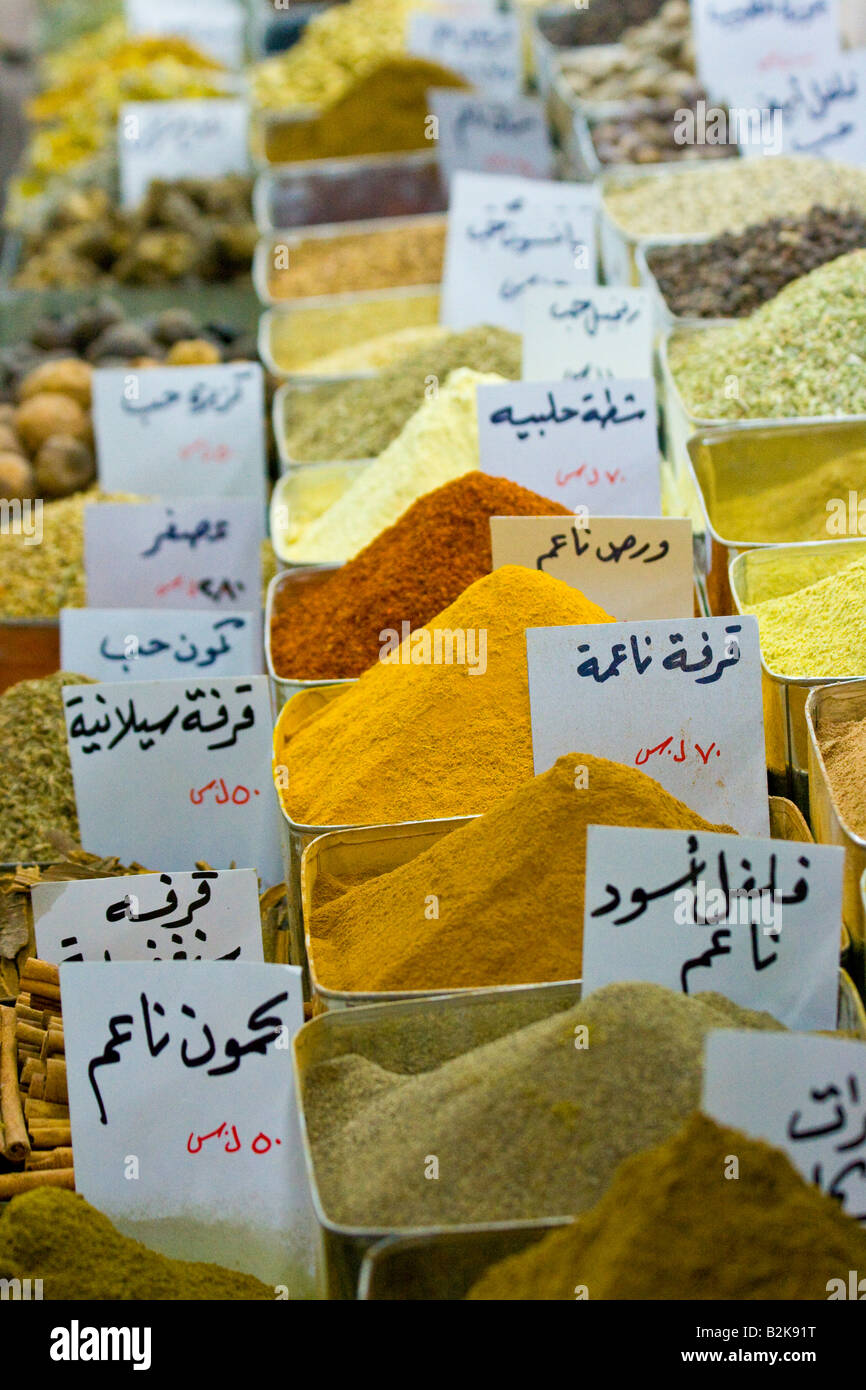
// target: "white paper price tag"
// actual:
[[491, 137], [582, 443], [820, 112], [181, 431], [756, 920], [591, 332], [733, 36], [148, 644], [216, 28], [211, 914], [191, 760], [484, 48], [182, 1105], [632, 567], [203, 138], [192, 554], [679, 699], [506, 235], [804, 1095]]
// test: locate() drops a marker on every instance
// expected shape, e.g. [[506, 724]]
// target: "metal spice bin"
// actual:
[[306, 193], [297, 583], [759, 574], [417, 306], [619, 247], [431, 1032], [29, 649], [829, 705], [664, 317], [301, 495], [440, 1267], [284, 401]]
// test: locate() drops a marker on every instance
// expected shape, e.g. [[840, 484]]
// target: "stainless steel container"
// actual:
[[29, 649], [618, 245], [826, 707], [287, 397], [305, 329], [665, 319], [441, 1267], [304, 194], [291, 584], [300, 496], [756, 575]]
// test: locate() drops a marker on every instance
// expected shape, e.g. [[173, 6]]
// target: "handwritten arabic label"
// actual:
[[206, 915], [620, 690], [804, 1095], [580, 443], [155, 742], [491, 137], [506, 235], [732, 36], [157, 1052], [634, 567], [821, 111], [756, 920], [216, 28], [591, 332], [202, 138], [142, 644], [182, 431], [483, 48], [194, 554]]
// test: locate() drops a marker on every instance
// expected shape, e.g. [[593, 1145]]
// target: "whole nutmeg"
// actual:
[[17, 478], [63, 465], [47, 413], [193, 352], [67, 375]]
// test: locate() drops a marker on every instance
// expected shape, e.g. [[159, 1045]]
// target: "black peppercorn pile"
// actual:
[[732, 275]]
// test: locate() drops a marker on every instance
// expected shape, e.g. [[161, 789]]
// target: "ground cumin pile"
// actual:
[[818, 630], [508, 903], [673, 1226], [411, 742], [409, 573], [355, 261], [56, 1236], [36, 788], [530, 1125], [843, 748]]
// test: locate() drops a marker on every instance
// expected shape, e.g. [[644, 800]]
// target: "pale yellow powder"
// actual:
[[374, 353]]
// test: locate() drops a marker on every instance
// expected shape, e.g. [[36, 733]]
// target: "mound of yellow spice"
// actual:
[[419, 741], [56, 1236], [673, 1226], [496, 902], [818, 630]]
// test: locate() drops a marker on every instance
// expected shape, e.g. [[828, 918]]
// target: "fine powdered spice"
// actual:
[[376, 353], [843, 748], [803, 354], [819, 630], [465, 738], [527, 1126], [673, 1225], [361, 418], [299, 337], [793, 510], [36, 790], [409, 573], [56, 1236], [436, 445], [509, 902], [411, 254]]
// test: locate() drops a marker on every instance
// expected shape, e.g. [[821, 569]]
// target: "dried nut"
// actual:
[[194, 352], [63, 465], [69, 376], [16, 477], [50, 413], [9, 441]]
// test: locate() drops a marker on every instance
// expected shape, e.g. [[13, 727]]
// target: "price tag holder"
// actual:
[[756, 920], [216, 28], [700, 729], [192, 760], [733, 36], [149, 644], [633, 567], [202, 138], [183, 1112], [805, 1096], [191, 554], [506, 235], [588, 333], [484, 48], [819, 112], [491, 137], [585, 444], [182, 431], [210, 914]]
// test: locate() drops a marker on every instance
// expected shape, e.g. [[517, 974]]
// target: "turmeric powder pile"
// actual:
[[419, 736], [672, 1225], [497, 902]]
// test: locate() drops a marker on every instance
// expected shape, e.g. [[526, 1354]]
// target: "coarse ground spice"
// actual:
[[436, 445], [56, 1236], [305, 334], [36, 790], [375, 353], [802, 354], [843, 748], [794, 510], [420, 741], [360, 418], [527, 1126], [706, 199], [819, 630], [509, 903], [673, 1225], [733, 275], [409, 573], [408, 255]]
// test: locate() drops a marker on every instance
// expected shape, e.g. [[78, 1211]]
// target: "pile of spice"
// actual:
[[466, 738], [436, 445], [303, 335], [802, 354], [360, 418], [35, 1134], [658, 1231], [509, 904], [706, 199], [36, 790], [59, 1238], [793, 510], [408, 574], [817, 630], [732, 275], [652, 60], [527, 1126], [647, 135], [376, 353], [603, 22], [843, 748], [411, 254]]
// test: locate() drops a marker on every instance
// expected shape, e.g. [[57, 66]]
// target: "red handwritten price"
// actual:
[[591, 476], [680, 753], [260, 1145], [239, 797], [211, 588], [205, 452]]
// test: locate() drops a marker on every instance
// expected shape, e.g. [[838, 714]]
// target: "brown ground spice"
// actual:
[[843, 747], [396, 256]]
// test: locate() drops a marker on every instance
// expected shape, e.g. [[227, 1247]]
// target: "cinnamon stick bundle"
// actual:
[[16, 1144], [50, 1134], [13, 1184], [50, 1158]]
